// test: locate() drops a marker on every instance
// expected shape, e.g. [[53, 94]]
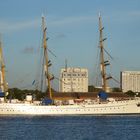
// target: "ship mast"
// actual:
[[47, 61], [103, 63], [3, 84]]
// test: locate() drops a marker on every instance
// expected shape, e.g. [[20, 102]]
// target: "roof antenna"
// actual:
[[66, 64]]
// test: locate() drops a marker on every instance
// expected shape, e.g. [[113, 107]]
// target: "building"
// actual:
[[130, 80], [73, 80]]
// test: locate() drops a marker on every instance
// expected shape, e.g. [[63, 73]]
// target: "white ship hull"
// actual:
[[114, 108]]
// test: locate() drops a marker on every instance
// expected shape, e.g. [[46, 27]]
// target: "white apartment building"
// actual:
[[130, 80], [73, 80]]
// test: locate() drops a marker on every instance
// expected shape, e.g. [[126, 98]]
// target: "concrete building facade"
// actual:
[[73, 80], [130, 80]]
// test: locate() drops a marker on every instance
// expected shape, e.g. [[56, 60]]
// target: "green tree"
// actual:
[[130, 93]]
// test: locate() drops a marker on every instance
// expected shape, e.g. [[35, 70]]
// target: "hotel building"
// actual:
[[130, 80], [73, 80]]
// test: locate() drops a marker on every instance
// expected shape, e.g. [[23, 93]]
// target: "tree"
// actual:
[[130, 93], [15, 93], [116, 89]]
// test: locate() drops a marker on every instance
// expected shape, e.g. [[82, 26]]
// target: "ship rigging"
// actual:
[[3, 83], [47, 62]]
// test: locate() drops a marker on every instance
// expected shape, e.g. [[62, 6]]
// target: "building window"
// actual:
[[83, 75]]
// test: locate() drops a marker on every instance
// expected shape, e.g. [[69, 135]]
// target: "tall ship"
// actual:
[[102, 105]]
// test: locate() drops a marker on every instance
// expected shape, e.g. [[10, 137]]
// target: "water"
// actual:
[[70, 128]]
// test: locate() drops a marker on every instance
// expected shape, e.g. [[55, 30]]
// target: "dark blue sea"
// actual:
[[69, 127]]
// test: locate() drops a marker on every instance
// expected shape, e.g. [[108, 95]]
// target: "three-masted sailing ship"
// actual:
[[87, 107]]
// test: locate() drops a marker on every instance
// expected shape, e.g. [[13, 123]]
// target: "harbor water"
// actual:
[[70, 127]]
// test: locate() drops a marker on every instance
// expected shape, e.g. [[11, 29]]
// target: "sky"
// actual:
[[72, 28]]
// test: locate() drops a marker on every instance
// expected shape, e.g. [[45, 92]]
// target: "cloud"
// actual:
[[10, 26], [29, 50], [135, 14], [60, 36], [124, 16], [73, 20]]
